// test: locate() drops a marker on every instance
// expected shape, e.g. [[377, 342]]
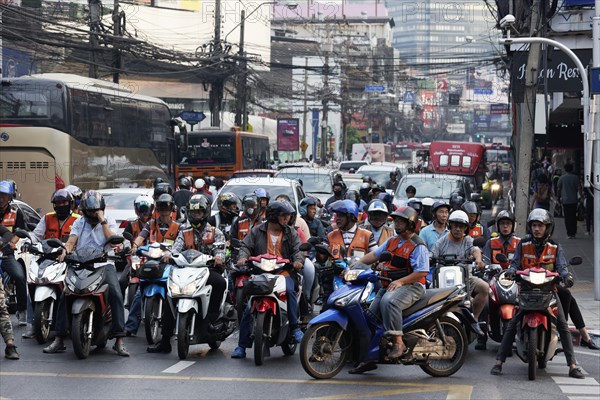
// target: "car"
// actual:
[[435, 186], [253, 172], [275, 186], [380, 171], [316, 182], [345, 166], [119, 203]]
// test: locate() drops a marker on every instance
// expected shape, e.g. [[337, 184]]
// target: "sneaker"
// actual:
[[22, 318], [120, 349], [239, 352], [28, 334], [298, 335], [576, 373], [496, 370], [11, 352], [55, 347]]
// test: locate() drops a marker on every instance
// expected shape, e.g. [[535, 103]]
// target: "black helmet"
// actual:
[[409, 214], [162, 188], [505, 215], [456, 200], [197, 202], [185, 183], [470, 207], [305, 202], [62, 212], [364, 190], [165, 199], [376, 190], [543, 216], [91, 202], [157, 181], [353, 195], [226, 200], [250, 202], [278, 208]]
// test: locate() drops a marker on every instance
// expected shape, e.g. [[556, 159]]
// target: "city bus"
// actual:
[[61, 129], [219, 153]]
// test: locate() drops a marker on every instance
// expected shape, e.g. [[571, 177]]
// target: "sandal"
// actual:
[[121, 350]]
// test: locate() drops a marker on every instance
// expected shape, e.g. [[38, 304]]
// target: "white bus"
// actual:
[[61, 129]]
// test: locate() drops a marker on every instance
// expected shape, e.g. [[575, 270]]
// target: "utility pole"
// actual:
[[325, 101], [94, 6], [216, 90], [305, 110], [241, 89], [525, 134], [117, 34], [594, 182]]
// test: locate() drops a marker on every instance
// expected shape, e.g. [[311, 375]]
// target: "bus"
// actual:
[[459, 158], [372, 152], [219, 153], [61, 129]]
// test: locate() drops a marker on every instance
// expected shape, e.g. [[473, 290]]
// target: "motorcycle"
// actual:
[[491, 191], [189, 295], [239, 275], [268, 305], [537, 337], [434, 341], [45, 278], [86, 296], [502, 301]]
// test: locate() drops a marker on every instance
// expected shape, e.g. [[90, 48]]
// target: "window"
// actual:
[[254, 152], [455, 161], [210, 150], [467, 161], [36, 104], [444, 160]]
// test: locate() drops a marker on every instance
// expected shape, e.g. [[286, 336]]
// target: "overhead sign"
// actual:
[[374, 89], [192, 117], [483, 91], [408, 97]]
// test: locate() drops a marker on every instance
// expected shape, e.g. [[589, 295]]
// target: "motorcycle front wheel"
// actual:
[[262, 333], [324, 350], [81, 340], [532, 353], [41, 320], [184, 330], [454, 330], [152, 319]]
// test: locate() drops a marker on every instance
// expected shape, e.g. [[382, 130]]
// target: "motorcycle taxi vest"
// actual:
[[55, 230], [399, 266], [245, 226], [420, 225], [476, 231], [530, 258], [190, 242], [169, 236], [9, 219], [360, 243], [497, 247]]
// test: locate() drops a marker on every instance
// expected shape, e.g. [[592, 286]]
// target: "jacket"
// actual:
[[497, 247], [157, 236], [530, 258], [255, 244]]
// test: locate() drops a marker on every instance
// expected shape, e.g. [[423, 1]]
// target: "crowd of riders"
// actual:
[[358, 222]]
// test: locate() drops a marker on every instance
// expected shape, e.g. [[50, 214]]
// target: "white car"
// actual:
[[119, 203]]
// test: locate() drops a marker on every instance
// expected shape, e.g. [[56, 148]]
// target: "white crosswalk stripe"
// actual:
[[180, 366], [576, 389]]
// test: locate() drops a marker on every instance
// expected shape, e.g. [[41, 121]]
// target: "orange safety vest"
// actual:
[[386, 233], [360, 242], [189, 241], [399, 266], [244, 227], [169, 236], [53, 228], [546, 260], [420, 224], [476, 231], [9, 219], [136, 229], [498, 248], [155, 215]]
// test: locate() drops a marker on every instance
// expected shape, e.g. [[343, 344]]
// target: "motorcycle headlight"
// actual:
[[352, 274], [174, 289], [189, 289], [366, 292], [495, 187], [351, 297], [537, 278], [154, 252], [94, 285]]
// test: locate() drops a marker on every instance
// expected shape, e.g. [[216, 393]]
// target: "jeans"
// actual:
[[570, 307], [389, 305], [563, 331], [245, 339], [135, 313], [16, 271], [308, 273], [570, 211]]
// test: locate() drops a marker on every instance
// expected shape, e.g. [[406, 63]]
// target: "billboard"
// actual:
[[288, 134]]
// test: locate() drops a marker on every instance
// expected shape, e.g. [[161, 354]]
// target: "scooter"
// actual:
[[502, 302], [434, 341], [189, 296], [268, 305]]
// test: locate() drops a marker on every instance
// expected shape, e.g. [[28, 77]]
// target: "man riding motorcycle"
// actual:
[[475, 228], [163, 228], [439, 226], [229, 208], [308, 212], [251, 217]]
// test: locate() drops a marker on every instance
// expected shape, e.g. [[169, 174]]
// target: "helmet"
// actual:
[[338, 177], [91, 202], [262, 194], [364, 190], [157, 181], [543, 216], [377, 206], [353, 195], [393, 174], [292, 222], [14, 186], [470, 207], [250, 202], [278, 208], [503, 215], [167, 199], [7, 188], [345, 207], [388, 199], [439, 204], [162, 188], [197, 202], [456, 200], [61, 195], [185, 183], [143, 205], [416, 204], [340, 184], [226, 200], [460, 217], [409, 214], [367, 179], [199, 184], [304, 203], [427, 202], [377, 189]]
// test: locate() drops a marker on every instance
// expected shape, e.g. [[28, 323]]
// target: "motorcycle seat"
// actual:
[[431, 296]]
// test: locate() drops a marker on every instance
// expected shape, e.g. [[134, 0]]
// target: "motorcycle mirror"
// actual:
[[55, 243], [306, 247], [479, 242], [22, 233], [501, 258], [314, 240], [385, 256], [128, 236], [577, 260], [115, 239], [235, 243]]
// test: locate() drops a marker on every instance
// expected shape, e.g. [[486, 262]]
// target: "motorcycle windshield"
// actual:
[[86, 255]]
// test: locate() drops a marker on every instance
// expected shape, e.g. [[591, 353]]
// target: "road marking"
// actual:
[[180, 366], [567, 380], [575, 389], [587, 353], [455, 392], [381, 394]]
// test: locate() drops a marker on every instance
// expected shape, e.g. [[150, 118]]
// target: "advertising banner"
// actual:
[[288, 134]]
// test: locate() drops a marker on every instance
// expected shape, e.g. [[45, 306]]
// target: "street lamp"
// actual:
[[245, 17]]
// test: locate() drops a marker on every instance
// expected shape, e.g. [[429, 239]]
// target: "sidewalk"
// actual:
[[583, 291]]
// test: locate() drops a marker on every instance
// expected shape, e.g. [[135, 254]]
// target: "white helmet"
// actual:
[[199, 184], [143, 205], [377, 205], [459, 216], [427, 202]]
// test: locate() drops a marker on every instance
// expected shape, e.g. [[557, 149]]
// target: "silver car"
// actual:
[[119, 203]]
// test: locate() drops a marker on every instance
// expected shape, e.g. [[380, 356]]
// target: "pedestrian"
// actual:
[[568, 191]]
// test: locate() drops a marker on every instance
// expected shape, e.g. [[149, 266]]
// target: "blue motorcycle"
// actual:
[[433, 334]]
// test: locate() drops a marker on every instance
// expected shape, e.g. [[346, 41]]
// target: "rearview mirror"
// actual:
[[479, 242], [577, 260], [475, 197], [115, 239], [22, 234], [306, 247]]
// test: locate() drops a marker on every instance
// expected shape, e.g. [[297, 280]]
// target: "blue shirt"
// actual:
[[419, 258], [430, 235]]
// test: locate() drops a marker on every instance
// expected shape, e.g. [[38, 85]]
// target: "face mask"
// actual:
[[63, 212], [337, 192], [250, 212]]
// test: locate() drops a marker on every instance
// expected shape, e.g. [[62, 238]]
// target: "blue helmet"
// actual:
[[345, 207], [7, 188], [262, 193]]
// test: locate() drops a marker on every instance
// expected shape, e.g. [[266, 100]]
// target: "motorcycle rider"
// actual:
[[459, 244], [229, 208], [417, 205], [162, 229], [11, 217], [199, 235], [354, 195], [251, 217], [183, 194], [160, 189], [339, 191], [537, 249], [357, 241], [408, 268], [308, 212], [393, 182], [92, 231], [378, 213], [263, 201], [274, 236], [202, 188], [475, 228], [439, 226]]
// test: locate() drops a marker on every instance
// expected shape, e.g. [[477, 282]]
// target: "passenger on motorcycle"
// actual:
[[339, 191], [417, 205], [183, 194], [458, 243], [355, 240], [274, 237], [92, 231], [161, 229], [475, 228], [408, 269], [308, 212], [159, 190], [439, 226], [11, 217], [250, 218], [263, 201], [378, 213], [537, 249], [202, 188], [77, 193], [506, 242], [229, 207]]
